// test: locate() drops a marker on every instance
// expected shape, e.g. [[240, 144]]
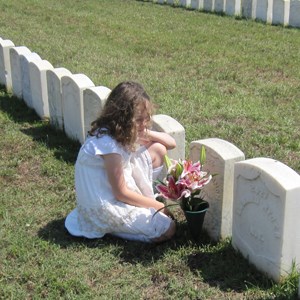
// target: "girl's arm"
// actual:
[[159, 137], [114, 168]]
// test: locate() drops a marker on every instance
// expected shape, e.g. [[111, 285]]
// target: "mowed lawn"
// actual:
[[233, 79]]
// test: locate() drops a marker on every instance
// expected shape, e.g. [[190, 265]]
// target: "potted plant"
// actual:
[[183, 185]]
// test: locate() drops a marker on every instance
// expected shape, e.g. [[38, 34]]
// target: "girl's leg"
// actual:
[[157, 152], [167, 235], [140, 237]]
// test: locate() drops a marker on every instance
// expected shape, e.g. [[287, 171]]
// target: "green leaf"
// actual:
[[167, 161], [202, 155], [178, 170]]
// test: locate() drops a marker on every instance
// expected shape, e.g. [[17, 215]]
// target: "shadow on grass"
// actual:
[[40, 130], [130, 251], [224, 268], [227, 270], [16, 109]]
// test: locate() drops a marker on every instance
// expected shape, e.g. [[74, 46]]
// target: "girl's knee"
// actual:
[[168, 234], [171, 231], [157, 152]]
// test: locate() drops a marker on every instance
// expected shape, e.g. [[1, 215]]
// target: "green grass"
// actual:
[[218, 76]]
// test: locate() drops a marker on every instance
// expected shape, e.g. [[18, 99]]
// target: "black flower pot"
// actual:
[[195, 220]]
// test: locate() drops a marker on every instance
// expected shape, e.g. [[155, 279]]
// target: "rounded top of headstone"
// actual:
[[224, 148], [6, 43], [80, 80], [41, 64], [30, 56], [167, 123], [280, 172], [20, 50], [100, 91], [59, 72]]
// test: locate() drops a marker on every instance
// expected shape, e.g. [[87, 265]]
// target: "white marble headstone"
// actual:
[[270, 11], [281, 12], [185, 3], [201, 4], [72, 99], [248, 8], [16, 71], [208, 5], [164, 123], [294, 18], [221, 157], [38, 85], [195, 4], [25, 59], [54, 88], [94, 99], [266, 215], [233, 7], [219, 6], [261, 10], [5, 70]]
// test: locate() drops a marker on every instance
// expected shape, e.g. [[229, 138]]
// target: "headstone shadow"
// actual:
[[227, 270], [64, 148]]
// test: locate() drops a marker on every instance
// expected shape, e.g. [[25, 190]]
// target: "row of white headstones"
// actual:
[[256, 201], [284, 12]]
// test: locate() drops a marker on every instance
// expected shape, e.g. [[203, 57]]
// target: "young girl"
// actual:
[[114, 171]]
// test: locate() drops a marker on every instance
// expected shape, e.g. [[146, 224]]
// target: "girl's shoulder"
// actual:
[[103, 144]]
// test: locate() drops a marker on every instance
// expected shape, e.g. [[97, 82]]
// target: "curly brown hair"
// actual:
[[119, 113]]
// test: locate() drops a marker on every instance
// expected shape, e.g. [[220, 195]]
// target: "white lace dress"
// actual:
[[98, 212]]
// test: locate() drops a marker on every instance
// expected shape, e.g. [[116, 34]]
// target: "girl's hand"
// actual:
[[143, 138], [168, 213], [165, 210], [151, 136]]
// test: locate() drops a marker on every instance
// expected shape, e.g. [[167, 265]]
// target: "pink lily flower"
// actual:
[[184, 182], [191, 168]]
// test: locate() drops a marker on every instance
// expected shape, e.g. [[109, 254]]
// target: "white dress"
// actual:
[[98, 212]]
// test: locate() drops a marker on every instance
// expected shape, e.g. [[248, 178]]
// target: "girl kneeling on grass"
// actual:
[[115, 169]]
